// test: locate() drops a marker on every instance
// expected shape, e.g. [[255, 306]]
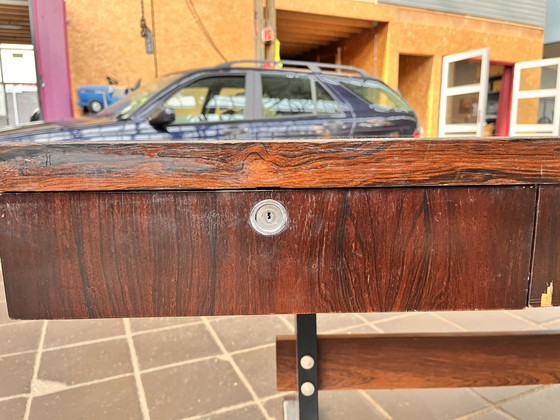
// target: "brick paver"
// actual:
[[223, 368]]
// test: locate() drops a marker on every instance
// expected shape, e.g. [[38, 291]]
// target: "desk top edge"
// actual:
[[246, 164]]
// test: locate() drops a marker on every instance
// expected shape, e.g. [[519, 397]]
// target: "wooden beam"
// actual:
[[17, 32], [426, 361], [96, 165], [7, 12], [310, 39], [307, 45], [17, 20], [297, 31], [293, 45], [13, 39], [316, 20], [292, 49], [330, 29]]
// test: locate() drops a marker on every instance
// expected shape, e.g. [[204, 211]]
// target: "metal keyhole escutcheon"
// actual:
[[269, 217]]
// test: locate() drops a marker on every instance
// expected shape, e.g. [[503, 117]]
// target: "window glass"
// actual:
[[211, 99], [535, 78], [128, 105], [285, 95], [462, 109], [379, 96], [465, 72], [535, 111], [325, 103]]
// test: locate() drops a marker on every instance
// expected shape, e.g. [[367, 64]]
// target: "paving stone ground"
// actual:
[[224, 368]]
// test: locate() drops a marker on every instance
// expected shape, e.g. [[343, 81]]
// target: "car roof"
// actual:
[[293, 65], [285, 65]]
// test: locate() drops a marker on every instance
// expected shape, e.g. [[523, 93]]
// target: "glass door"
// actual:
[[536, 98], [464, 92]]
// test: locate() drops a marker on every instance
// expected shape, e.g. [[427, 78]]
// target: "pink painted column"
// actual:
[[51, 55]]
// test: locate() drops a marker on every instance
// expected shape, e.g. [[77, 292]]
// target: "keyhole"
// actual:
[[268, 217]]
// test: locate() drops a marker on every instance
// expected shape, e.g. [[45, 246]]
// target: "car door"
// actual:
[[211, 107], [536, 98], [296, 105], [464, 93]]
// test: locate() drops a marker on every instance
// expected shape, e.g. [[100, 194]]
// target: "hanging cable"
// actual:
[[203, 29]]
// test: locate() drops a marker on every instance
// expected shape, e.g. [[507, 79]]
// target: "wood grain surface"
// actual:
[[546, 266], [90, 166], [117, 254], [426, 360]]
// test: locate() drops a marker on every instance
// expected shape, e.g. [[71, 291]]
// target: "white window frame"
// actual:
[[476, 129], [516, 130]]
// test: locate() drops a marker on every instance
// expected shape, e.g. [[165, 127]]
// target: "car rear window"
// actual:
[[288, 95], [379, 96]]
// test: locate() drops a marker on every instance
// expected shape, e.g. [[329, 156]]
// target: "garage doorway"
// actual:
[[303, 34], [415, 75]]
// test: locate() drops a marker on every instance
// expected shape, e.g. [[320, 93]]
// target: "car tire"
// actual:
[[94, 106]]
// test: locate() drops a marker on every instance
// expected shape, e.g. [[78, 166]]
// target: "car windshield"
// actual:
[[126, 106], [379, 96]]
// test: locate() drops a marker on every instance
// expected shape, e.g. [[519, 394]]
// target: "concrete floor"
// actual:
[[224, 368]]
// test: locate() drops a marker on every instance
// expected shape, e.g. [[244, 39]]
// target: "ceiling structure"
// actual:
[[15, 27], [300, 33]]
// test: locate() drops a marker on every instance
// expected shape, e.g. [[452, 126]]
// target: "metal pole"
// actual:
[[307, 368], [34, 41], [14, 100], [3, 87]]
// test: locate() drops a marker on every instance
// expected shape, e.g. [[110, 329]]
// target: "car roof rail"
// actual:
[[313, 66]]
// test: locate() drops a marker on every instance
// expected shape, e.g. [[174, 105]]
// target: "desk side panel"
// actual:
[[91, 255], [545, 285]]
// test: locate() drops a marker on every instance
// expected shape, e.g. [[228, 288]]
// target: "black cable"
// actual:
[[203, 29]]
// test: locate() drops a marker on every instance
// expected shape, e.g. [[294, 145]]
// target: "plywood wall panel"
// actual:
[[415, 80], [359, 50], [182, 44], [104, 39]]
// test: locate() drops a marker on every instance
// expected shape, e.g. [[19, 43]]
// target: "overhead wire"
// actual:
[[203, 29]]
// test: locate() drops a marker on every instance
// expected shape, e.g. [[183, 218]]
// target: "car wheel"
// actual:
[[94, 106]]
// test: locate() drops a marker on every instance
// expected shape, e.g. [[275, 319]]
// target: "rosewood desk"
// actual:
[[97, 230]]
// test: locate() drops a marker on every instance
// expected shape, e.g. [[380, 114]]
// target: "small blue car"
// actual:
[[94, 98]]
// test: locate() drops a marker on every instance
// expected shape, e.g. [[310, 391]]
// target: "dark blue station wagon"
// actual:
[[244, 100]]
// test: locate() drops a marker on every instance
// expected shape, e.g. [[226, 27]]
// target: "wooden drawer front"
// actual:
[[77, 255]]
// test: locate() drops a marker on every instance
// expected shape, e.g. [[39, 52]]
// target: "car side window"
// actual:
[[288, 95], [379, 96], [210, 99]]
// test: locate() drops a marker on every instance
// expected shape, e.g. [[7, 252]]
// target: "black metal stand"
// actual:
[[308, 387]]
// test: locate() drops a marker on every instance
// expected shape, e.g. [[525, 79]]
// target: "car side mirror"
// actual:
[[162, 118]]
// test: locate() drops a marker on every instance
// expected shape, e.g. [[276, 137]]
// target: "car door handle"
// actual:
[[235, 130], [332, 125], [328, 127]]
